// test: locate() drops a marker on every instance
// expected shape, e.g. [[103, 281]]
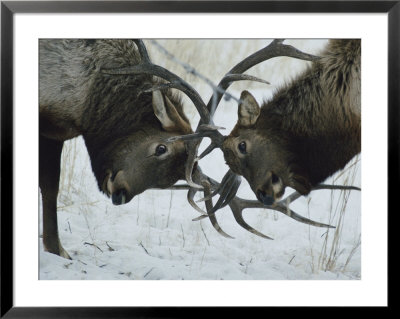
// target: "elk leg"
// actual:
[[49, 177]]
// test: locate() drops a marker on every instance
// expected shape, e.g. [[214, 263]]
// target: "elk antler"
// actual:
[[238, 205]]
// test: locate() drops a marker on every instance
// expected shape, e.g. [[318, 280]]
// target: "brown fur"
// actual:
[[310, 129]]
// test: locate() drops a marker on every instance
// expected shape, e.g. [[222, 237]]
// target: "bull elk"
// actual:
[[123, 118], [310, 129], [231, 181]]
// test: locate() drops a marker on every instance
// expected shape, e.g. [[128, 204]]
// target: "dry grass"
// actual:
[[332, 252]]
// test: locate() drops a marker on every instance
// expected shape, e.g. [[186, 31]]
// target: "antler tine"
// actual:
[[209, 207], [142, 50], [204, 130], [237, 206], [228, 192], [288, 212], [190, 198], [240, 77], [295, 195], [343, 187], [199, 176], [192, 148], [291, 198], [227, 189]]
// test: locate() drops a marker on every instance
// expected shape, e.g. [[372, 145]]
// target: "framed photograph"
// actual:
[[186, 152]]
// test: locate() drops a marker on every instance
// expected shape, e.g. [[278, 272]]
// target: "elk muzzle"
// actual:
[[118, 188], [271, 191], [264, 198], [119, 197]]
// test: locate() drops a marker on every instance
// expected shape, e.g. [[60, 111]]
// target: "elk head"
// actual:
[[263, 159], [145, 159]]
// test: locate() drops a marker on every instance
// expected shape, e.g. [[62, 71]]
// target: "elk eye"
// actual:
[[242, 147], [160, 149], [274, 179]]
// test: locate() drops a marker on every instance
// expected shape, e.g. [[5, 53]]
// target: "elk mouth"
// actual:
[[267, 199], [119, 197], [272, 191], [264, 198]]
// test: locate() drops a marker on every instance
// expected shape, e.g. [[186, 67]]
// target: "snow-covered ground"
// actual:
[[154, 237]]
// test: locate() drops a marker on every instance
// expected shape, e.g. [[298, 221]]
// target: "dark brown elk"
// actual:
[[123, 121], [310, 129]]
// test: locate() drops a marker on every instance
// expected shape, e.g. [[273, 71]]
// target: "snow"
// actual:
[[153, 236]]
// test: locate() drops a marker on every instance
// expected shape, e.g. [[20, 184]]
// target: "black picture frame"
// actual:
[[9, 8]]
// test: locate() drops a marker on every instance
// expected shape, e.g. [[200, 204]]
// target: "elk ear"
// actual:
[[249, 110], [167, 114]]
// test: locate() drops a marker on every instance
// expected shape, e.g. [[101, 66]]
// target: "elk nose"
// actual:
[[264, 198], [119, 197]]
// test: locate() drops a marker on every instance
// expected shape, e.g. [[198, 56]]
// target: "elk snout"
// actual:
[[264, 198], [119, 197], [271, 191], [119, 189]]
